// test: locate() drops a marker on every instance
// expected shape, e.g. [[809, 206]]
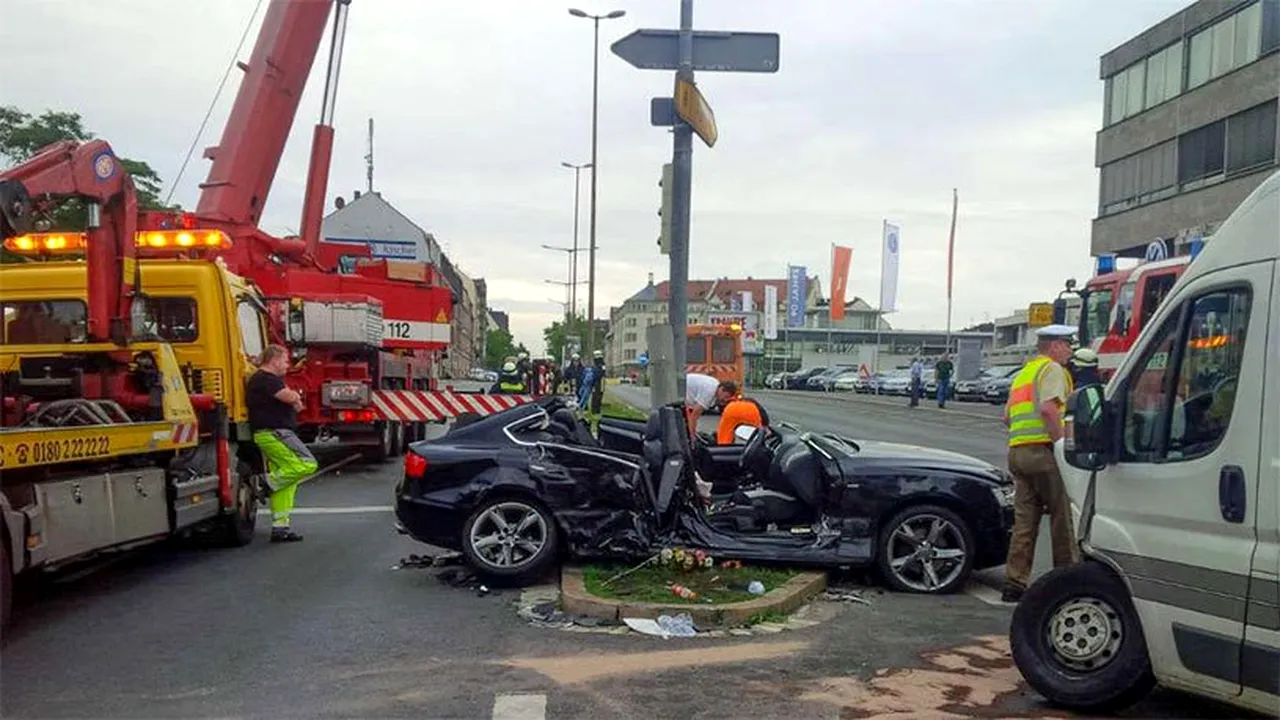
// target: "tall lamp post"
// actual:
[[572, 306], [595, 167], [577, 186]]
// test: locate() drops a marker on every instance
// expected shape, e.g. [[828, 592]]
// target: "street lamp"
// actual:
[[577, 185], [595, 168]]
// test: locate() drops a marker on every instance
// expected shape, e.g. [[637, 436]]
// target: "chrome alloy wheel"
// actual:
[[926, 552], [508, 534]]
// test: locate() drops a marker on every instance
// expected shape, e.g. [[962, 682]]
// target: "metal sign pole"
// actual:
[[682, 173]]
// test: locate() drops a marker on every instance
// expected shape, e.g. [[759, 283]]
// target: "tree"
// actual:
[[557, 332], [22, 134], [498, 346]]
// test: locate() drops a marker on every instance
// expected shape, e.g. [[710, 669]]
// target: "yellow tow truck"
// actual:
[[122, 402]]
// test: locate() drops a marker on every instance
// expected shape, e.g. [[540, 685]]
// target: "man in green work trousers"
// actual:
[[273, 416]]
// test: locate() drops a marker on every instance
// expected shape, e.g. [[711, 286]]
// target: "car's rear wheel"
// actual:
[[926, 549], [510, 540], [1077, 640]]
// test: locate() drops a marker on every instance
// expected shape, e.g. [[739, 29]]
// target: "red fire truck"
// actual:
[[1117, 305]]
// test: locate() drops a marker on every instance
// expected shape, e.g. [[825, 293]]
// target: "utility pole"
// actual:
[[681, 192]]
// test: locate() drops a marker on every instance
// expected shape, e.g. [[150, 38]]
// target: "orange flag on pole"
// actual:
[[841, 256]]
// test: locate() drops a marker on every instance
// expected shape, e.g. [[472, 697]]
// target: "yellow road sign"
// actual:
[[693, 109], [1040, 314]]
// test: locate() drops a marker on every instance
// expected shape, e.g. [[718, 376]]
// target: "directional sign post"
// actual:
[[685, 51]]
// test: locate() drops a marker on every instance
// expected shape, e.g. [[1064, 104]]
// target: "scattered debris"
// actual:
[[839, 595], [678, 625], [427, 561]]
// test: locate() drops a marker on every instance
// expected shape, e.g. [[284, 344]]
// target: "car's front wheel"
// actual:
[[510, 540], [1077, 640], [926, 549]]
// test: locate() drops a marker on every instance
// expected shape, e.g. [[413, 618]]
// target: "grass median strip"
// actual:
[[653, 583]]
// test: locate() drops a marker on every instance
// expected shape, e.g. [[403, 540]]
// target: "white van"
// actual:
[[1175, 470]]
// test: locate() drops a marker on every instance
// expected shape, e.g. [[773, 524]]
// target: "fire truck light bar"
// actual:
[[75, 243]]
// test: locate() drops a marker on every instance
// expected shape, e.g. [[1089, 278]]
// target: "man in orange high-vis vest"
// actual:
[[1033, 414]]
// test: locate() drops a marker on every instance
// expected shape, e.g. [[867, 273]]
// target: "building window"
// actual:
[[1201, 152], [1141, 178], [629, 337], [1251, 138], [628, 354], [631, 322], [1228, 44], [1164, 75]]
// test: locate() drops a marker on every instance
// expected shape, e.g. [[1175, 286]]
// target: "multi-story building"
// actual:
[[1189, 126]]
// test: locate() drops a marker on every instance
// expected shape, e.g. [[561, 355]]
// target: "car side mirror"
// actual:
[[743, 433], [1088, 442]]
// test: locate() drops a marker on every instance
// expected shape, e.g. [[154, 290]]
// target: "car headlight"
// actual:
[[1004, 495]]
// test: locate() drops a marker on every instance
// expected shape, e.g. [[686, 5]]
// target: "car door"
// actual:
[[1260, 657], [1176, 512]]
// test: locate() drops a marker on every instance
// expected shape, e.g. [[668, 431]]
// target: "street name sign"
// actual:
[[693, 109], [713, 51]]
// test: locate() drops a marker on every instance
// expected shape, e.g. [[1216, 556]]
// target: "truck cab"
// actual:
[[1174, 469], [212, 318]]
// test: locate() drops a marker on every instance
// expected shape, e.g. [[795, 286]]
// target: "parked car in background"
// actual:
[[846, 381], [997, 390], [824, 380], [800, 380], [895, 382], [868, 384], [974, 389]]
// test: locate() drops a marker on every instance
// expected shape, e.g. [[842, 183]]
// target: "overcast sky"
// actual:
[[877, 111]]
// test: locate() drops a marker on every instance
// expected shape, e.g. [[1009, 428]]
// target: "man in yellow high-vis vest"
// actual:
[[1034, 416]]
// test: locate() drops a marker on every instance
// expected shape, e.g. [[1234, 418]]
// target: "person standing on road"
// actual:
[[942, 371], [273, 418], [1034, 416], [510, 381], [573, 374], [1084, 368], [917, 381]]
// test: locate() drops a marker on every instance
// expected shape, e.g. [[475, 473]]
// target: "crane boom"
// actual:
[[247, 157]]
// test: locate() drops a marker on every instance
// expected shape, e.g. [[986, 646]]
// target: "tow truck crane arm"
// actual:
[[90, 172]]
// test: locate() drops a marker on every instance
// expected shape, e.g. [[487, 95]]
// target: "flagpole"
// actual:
[[951, 253], [884, 227]]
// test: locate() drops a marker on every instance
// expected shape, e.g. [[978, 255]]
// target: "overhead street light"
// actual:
[[595, 167], [573, 259]]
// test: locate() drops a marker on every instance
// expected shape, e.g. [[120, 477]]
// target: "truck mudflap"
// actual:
[[439, 406]]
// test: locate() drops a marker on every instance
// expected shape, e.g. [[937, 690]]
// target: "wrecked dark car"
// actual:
[[518, 490]]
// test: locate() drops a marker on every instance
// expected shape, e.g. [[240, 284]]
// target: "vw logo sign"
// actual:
[[893, 243], [1157, 250]]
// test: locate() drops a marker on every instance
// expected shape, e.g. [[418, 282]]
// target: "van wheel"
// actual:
[[1077, 640]]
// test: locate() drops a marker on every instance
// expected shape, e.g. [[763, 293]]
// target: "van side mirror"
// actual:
[[1090, 435], [743, 433]]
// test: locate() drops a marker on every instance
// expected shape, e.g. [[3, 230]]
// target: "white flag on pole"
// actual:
[[748, 301], [889, 268], [770, 312]]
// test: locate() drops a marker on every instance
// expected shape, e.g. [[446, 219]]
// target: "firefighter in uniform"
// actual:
[[510, 381], [1034, 416]]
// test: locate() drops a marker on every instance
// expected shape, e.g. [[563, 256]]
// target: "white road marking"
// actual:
[[351, 510], [527, 706], [986, 594]]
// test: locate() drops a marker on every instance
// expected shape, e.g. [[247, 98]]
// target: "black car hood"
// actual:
[[901, 455]]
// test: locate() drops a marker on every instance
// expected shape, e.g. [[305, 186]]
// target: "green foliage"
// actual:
[[498, 345], [22, 134], [554, 334], [653, 582]]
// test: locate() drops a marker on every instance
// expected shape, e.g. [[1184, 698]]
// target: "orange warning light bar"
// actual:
[[74, 243]]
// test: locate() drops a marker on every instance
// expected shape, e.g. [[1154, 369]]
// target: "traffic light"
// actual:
[[664, 213]]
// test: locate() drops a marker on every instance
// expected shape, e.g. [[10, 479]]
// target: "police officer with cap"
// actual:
[[1034, 416]]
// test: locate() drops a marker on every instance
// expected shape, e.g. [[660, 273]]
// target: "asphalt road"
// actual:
[[326, 628]]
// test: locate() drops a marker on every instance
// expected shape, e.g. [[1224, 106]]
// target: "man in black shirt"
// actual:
[[273, 417]]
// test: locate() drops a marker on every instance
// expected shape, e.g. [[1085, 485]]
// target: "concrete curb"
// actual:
[[785, 599]]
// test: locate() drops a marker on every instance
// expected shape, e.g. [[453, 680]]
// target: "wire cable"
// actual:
[[217, 94]]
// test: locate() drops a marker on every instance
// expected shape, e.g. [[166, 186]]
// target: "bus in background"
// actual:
[[715, 350], [1118, 304]]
